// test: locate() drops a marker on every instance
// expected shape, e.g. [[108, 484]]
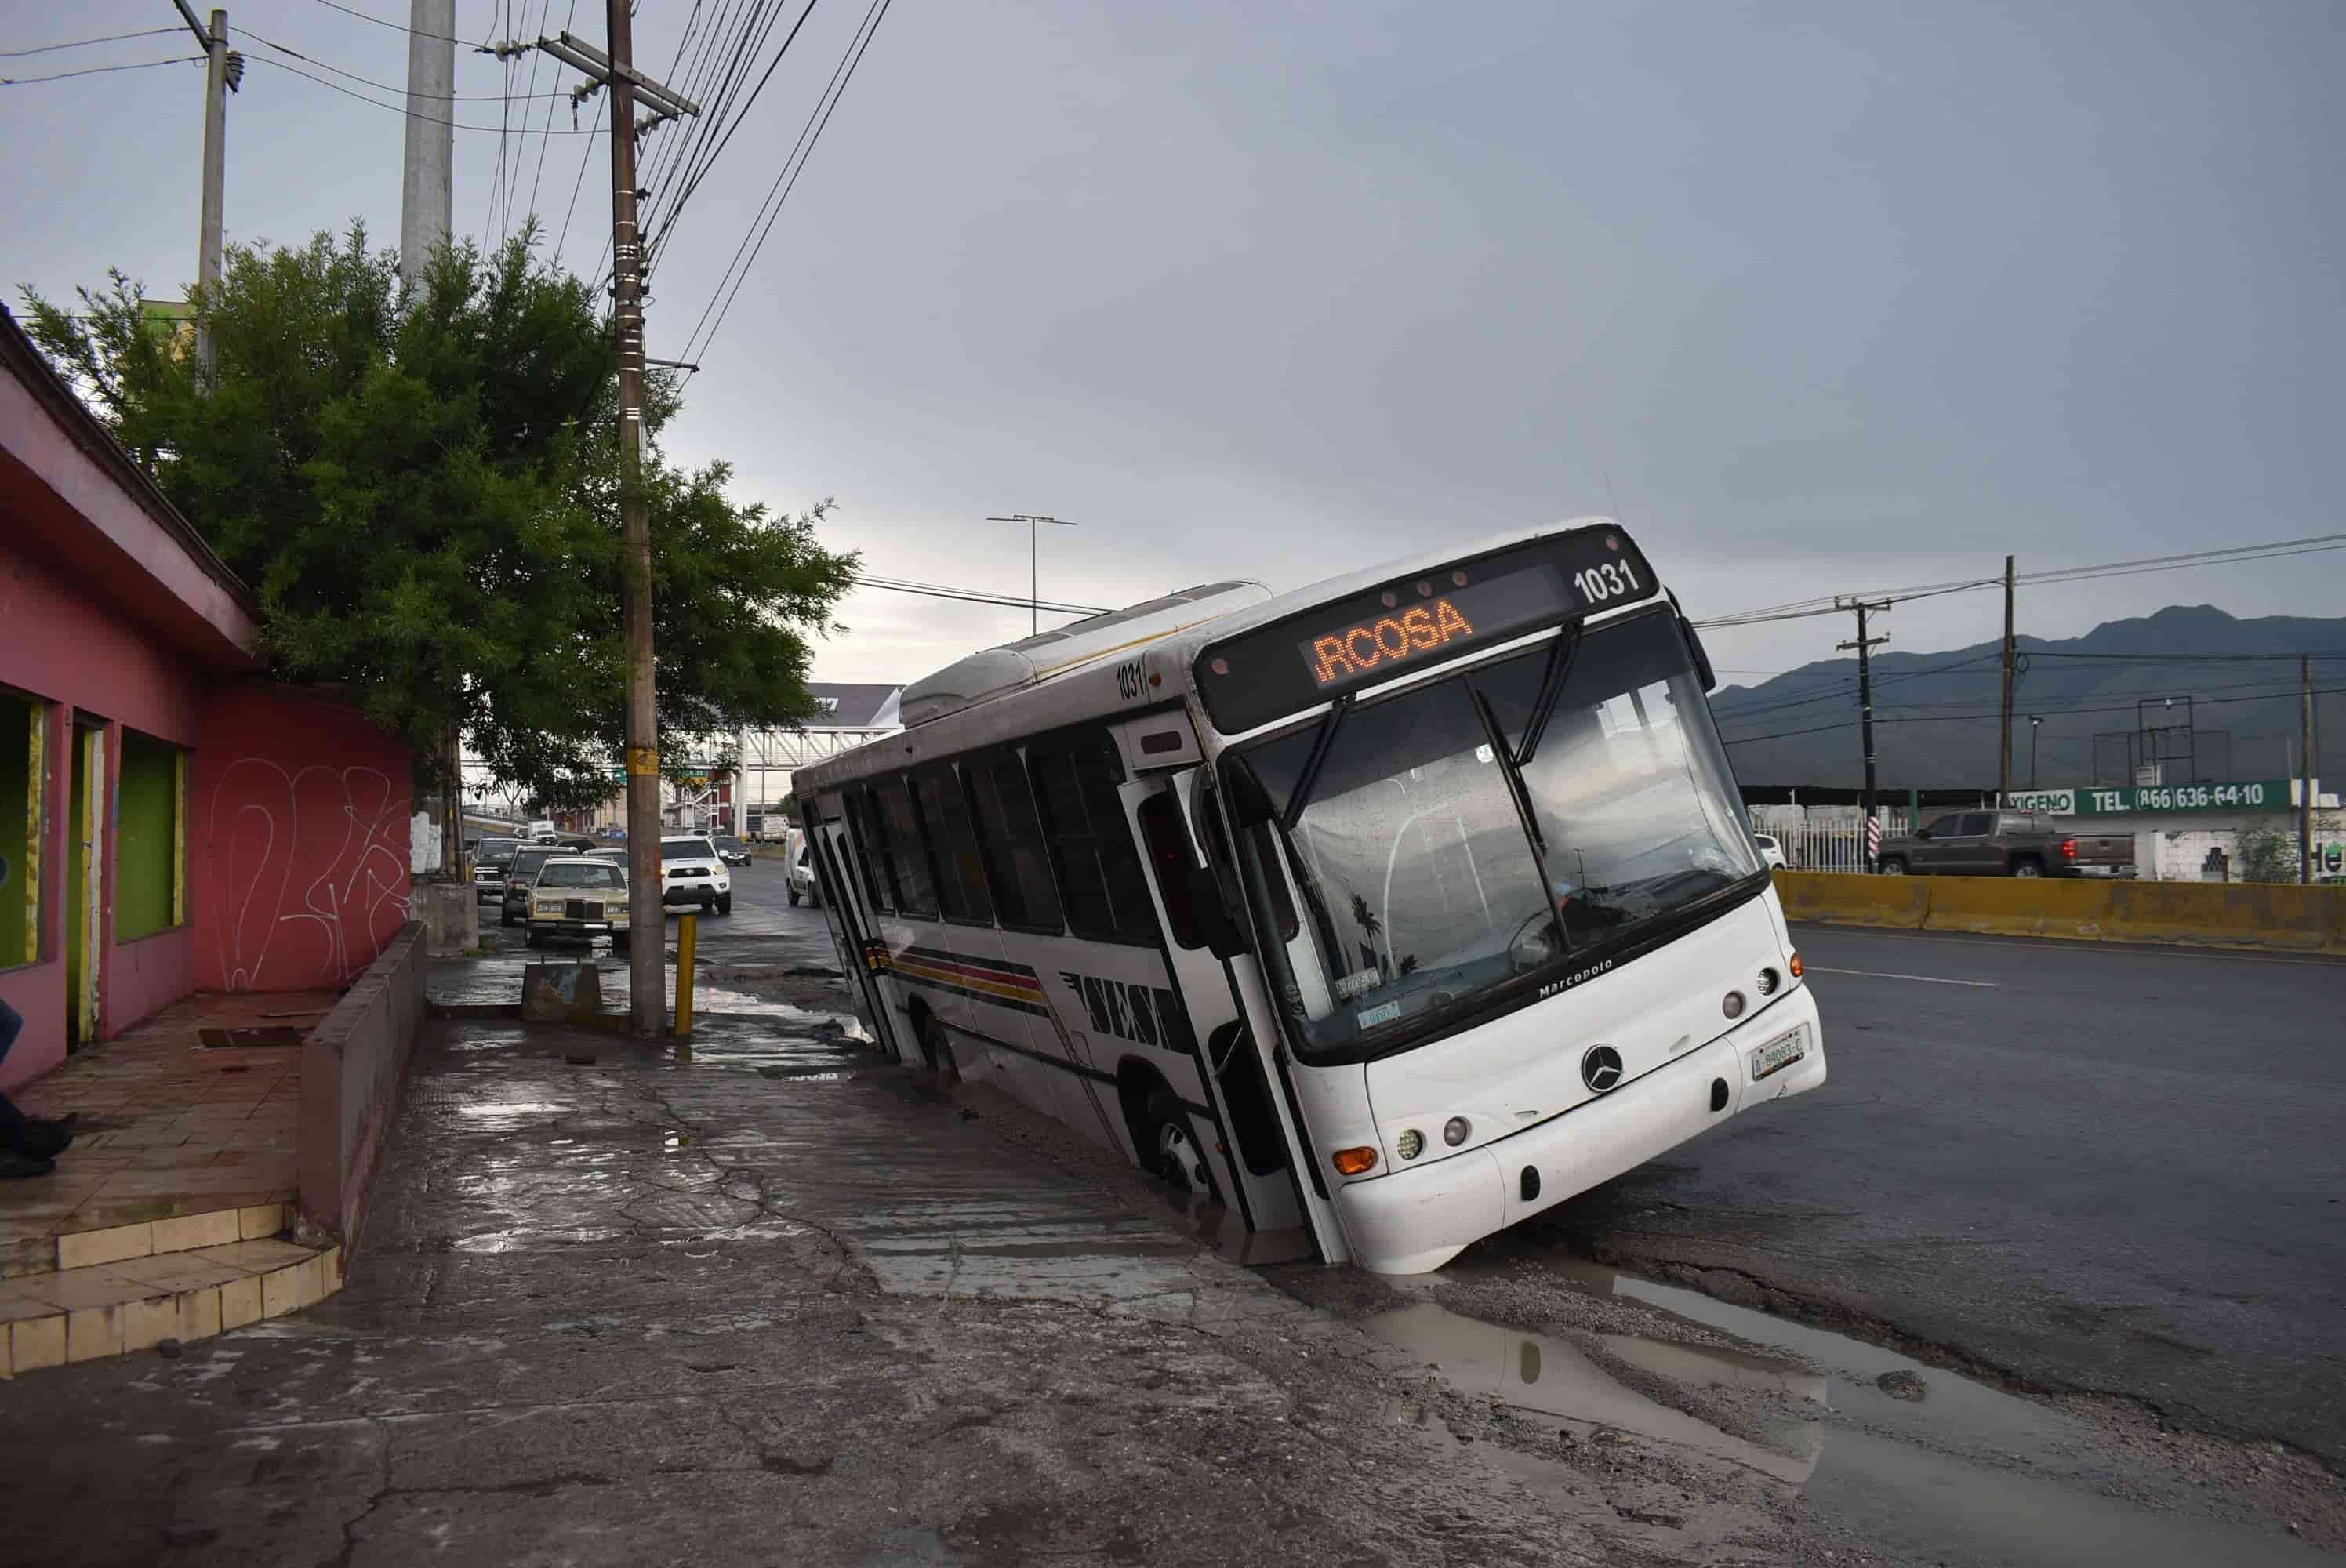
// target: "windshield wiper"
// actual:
[[1520, 793], [1560, 661], [1322, 739]]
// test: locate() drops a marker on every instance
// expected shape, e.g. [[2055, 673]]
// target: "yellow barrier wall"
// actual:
[[2014, 906], [2091, 908], [1838, 898]]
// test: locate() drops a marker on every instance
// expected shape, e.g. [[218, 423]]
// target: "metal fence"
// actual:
[[1824, 838]]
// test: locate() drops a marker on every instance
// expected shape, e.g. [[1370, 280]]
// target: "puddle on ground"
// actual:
[[1969, 1474]]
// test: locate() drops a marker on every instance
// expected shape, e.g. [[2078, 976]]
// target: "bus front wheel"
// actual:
[[1172, 1148]]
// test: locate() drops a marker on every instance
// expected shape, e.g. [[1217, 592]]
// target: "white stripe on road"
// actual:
[[1884, 975]]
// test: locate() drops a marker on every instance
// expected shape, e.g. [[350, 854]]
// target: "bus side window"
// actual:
[[908, 858], [960, 882], [1100, 880], [1017, 862]]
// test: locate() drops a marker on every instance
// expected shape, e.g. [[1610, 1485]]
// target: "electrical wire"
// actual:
[[84, 43], [743, 276], [1798, 609], [394, 27], [578, 184], [1991, 717], [545, 141], [380, 87], [684, 194], [395, 108], [100, 70], [976, 597]]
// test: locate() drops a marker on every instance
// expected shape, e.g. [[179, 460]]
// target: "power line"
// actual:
[[1849, 687], [1797, 609], [743, 277], [544, 141], [974, 597], [83, 43], [675, 209], [394, 27], [395, 108], [1978, 718], [98, 71], [380, 87], [577, 184]]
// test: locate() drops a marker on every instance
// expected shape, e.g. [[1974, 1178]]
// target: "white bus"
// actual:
[[1388, 911]]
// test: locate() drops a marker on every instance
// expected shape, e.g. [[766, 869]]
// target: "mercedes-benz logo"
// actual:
[[1600, 1067]]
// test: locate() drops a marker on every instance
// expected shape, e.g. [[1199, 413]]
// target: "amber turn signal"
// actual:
[[1354, 1162], [1795, 966]]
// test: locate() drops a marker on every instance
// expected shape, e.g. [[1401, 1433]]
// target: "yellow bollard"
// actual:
[[687, 938]]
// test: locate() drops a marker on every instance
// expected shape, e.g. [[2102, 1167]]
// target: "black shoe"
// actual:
[[46, 1139], [12, 1164]]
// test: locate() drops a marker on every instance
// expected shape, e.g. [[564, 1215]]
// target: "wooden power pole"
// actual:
[[646, 917], [2003, 758], [1865, 705]]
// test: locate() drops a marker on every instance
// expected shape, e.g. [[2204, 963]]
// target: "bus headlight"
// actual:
[[1455, 1130]]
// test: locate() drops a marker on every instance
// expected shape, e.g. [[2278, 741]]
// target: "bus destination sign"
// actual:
[[1382, 643], [1371, 637]]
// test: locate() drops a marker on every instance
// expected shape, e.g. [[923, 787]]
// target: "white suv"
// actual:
[[798, 867], [691, 872]]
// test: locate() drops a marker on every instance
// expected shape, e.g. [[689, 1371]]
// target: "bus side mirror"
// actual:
[[1694, 646]]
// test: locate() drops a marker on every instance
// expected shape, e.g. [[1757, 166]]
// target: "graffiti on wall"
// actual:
[[313, 869]]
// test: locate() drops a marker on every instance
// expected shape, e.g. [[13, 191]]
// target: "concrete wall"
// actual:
[[2093, 909], [353, 1065], [298, 814]]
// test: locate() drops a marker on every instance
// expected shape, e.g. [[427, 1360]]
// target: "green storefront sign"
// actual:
[[2099, 801]]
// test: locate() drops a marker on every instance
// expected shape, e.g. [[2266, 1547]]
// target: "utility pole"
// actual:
[[223, 72], [424, 207], [2305, 767], [1865, 708], [1034, 562], [2003, 757], [646, 918]]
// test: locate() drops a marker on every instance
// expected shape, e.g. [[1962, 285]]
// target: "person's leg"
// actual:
[[13, 1127]]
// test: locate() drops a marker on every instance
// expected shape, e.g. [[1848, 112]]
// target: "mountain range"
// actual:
[[2234, 682]]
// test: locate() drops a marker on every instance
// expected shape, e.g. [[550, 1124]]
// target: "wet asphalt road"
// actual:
[[2092, 1167], [2087, 1167]]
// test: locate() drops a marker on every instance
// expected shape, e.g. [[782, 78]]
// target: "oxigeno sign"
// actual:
[[2264, 794]]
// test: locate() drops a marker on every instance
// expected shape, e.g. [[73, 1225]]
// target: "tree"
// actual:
[[421, 481]]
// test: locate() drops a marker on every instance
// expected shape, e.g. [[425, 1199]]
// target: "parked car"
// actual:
[[692, 874], [578, 896], [2004, 844], [730, 849], [798, 867], [489, 864], [519, 876], [1771, 853]]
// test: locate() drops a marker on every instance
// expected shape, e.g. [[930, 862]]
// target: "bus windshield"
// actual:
[[1488, 830]]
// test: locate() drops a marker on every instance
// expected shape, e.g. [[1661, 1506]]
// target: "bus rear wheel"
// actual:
[[937, 1050]]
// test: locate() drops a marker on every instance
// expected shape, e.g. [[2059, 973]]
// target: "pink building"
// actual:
[[186, 823]]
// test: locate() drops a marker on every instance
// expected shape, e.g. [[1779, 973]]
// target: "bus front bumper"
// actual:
[[1416, 1220]]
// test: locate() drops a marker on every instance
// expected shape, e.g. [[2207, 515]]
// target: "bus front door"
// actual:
[[1265, 1154], [851, 930]]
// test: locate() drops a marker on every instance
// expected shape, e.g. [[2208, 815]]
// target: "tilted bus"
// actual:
[[1389, 911]]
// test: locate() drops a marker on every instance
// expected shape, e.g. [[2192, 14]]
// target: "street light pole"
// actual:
[[1034, 562], [2034, 724]]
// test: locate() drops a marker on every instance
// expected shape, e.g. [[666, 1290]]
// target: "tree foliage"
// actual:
[[421, 483]]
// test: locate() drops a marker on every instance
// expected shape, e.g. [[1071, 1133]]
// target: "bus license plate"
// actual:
[[1779, 1053]]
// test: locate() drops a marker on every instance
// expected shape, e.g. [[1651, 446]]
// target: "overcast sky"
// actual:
[[1830, 297]]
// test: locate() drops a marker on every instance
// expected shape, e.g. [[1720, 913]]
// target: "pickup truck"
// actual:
[[2004, 844]]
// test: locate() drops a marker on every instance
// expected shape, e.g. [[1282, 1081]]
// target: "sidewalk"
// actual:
[[784, 1303], [169, 1128]]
